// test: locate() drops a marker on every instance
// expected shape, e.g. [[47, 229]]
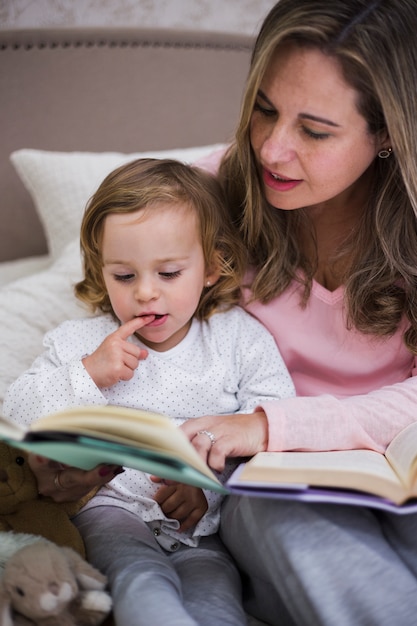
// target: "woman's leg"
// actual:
[[321, 564], [401, 534], [211, 584], [145, 587]]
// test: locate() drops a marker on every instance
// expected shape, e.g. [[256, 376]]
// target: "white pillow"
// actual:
[[17, 268], [33, 305], [61, 183]]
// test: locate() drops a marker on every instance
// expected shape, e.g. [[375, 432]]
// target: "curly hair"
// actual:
[[148, 182]]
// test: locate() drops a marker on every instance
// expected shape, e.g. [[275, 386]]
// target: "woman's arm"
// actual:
[[311, 423], [328, 423]]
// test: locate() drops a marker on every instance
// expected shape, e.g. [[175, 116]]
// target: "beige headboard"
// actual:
[[109, 90]]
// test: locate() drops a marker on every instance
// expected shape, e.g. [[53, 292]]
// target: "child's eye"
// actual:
[[170, 275], [264, 110], [315, 135], [123, 278]]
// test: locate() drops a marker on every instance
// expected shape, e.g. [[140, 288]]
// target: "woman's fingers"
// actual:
[[68, 484]]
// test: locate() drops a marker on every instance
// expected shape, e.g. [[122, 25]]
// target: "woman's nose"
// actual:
[[278, 145]]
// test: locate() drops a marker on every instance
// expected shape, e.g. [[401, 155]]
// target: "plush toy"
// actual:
[[47, 585], [23, 510], [10, 543]]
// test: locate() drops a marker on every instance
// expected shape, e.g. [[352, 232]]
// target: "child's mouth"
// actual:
[[157, 316]]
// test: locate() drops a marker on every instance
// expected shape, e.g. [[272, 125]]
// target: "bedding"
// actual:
[[30, 306], [12, 270]]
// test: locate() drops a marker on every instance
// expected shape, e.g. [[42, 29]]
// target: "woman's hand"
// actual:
[[217, 437], [116, 358], [68, 484], [185, 503]]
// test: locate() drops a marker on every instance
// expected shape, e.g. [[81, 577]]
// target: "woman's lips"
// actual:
[[279, 183]]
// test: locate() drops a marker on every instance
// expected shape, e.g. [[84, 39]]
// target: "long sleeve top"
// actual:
[[228, 364], [353, 390]]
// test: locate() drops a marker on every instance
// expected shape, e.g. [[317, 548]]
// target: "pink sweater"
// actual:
[[364, 389]]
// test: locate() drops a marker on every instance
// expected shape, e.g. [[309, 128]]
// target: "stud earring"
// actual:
[[208, 283], [385, 153]]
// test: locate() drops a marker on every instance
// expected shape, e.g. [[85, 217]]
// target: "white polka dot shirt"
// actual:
[[228, 364]]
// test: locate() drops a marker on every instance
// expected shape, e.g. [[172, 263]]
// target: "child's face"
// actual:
[[153, 263]]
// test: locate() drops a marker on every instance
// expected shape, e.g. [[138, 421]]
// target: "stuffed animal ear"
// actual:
[[5, 608], [87, 576]]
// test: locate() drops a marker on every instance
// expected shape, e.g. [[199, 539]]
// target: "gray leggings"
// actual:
[[318, 564], [152, 587]]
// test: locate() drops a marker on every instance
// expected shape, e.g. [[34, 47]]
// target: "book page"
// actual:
[[144, 433], [91, 415], [10, 430], [112, 422], [402, 454], [316, 494], [363, 470], [132, 427]]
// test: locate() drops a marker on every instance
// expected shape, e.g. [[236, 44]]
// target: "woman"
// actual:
[[322, 181]]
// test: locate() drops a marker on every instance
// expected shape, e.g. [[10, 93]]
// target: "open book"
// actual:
[[88, 436], [360, 477], [150, 442]]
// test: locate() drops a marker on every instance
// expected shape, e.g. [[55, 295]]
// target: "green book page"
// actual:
[[88, 452], [91, 435]]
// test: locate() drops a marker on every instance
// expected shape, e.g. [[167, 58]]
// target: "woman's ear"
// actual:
[[383, 141]]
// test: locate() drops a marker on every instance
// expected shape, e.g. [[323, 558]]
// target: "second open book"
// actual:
[[87, 436]]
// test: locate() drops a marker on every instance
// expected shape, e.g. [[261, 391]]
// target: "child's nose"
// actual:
[[146, 290]]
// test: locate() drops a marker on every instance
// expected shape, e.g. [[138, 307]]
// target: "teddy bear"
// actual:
[[23, 510], [47, 585]]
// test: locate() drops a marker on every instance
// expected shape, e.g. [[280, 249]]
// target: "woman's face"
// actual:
[[307, 134]]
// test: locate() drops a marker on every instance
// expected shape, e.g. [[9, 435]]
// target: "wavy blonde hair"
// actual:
[[375, 43], [147, 182]]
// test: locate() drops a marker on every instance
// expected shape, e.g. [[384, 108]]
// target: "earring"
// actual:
[[385, 153], [208, 283]]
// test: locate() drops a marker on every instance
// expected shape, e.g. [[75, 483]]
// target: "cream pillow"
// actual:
[[31, 306], [61, 183]]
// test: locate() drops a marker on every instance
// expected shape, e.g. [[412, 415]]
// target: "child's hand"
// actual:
[[116, 358], [185, 503]]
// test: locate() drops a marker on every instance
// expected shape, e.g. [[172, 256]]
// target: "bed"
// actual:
[[75, 104]]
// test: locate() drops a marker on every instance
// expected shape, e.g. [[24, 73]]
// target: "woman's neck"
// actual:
[[333, 223]]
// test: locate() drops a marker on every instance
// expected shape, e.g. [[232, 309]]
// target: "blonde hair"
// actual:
[[147, 182], [375, 43]]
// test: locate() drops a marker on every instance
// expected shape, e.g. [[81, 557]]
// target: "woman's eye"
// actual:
[[123, 278], [315, 135], [170, 275], [263, 110]]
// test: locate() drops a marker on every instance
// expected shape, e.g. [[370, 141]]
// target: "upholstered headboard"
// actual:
[[101, 90]]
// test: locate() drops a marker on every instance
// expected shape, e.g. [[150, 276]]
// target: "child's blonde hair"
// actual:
[[146, 182]]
